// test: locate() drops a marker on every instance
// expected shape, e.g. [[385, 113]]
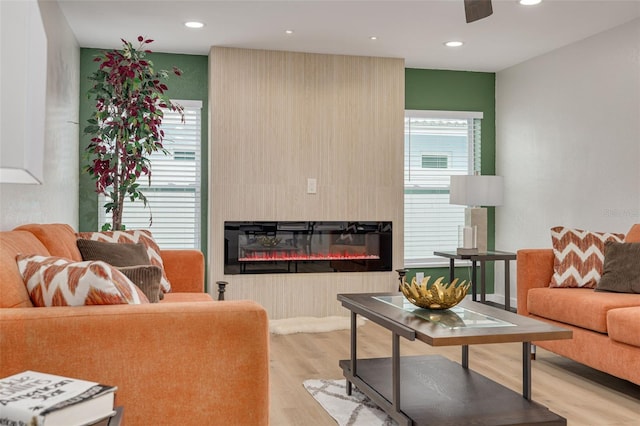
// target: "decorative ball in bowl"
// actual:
[[435, 296]]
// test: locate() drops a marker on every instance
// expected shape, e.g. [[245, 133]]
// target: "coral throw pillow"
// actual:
[[133, 237], [55, 281], [578, 256]]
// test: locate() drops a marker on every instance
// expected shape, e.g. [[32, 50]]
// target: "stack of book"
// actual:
[[38, 399]]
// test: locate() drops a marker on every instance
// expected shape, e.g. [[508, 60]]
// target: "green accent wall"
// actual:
[[192, 85], [458, 91]]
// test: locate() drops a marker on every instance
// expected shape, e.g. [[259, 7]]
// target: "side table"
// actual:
[[482, 258]]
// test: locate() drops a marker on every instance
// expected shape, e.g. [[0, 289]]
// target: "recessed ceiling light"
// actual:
[[373, 38], [530, 2], [193, 24], [288, 31], [453, 43]]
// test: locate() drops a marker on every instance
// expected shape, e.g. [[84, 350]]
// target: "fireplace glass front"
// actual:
[[296, 247]]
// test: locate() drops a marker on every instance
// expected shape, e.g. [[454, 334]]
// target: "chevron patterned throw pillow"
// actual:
[[578, 256], [55, 281]]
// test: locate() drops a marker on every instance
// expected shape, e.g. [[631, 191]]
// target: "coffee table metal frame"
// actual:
[[405, 324]]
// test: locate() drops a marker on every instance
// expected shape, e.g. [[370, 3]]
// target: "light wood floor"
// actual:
[[585, 397]]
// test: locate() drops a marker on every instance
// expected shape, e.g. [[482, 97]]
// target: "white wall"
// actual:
[[568, 141], [56, 200]]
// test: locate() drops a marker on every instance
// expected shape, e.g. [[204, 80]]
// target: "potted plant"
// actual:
[[125, 126]]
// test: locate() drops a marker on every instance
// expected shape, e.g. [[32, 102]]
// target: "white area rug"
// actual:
[[311, 324], [347, 410]]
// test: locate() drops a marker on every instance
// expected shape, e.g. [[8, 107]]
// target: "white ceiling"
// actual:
[[413, 30]]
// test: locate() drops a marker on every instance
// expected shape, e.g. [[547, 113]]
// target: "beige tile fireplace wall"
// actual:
[[278, 118]]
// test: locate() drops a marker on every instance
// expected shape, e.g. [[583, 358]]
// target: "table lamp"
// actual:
[[476, 192]]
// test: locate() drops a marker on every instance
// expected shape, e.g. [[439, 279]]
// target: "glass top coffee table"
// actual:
[[432, 390]]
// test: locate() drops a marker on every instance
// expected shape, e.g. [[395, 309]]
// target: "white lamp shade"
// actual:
[[476, 190], [23, 88]]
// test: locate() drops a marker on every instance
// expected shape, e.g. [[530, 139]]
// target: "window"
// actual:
[[437, 144], [174, 200], [435, 161]]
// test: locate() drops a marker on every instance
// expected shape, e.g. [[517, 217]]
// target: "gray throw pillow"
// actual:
[[621, 269], [147, 278], [115, 254]]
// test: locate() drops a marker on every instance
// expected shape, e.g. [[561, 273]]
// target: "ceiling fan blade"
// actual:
[[477, 9]]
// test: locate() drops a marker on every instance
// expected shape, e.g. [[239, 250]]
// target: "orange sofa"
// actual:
[[606, 326], [186, 360]]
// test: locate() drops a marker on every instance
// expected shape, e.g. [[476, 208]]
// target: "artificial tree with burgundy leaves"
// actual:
[[125, 126]]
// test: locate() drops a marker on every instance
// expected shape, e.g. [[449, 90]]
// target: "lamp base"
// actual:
[[461, 250], [477, 216]]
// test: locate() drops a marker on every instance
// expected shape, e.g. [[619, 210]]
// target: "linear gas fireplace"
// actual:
[[290, 247]]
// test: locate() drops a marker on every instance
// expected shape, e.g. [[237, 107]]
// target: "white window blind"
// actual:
[[437, 144], [174, 197]]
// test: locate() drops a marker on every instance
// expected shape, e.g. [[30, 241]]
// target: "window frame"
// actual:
[[103, 217], [474, 119]]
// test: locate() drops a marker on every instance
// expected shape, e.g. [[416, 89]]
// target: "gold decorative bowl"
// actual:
[[436, 296]]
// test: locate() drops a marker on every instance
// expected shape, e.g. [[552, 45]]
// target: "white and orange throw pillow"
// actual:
[[134, 236], [578, 256], [55, 281]]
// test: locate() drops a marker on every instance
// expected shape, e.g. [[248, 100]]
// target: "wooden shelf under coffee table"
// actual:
[[431, 390]]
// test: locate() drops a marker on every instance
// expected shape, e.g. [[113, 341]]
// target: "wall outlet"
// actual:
[[312, 185]]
